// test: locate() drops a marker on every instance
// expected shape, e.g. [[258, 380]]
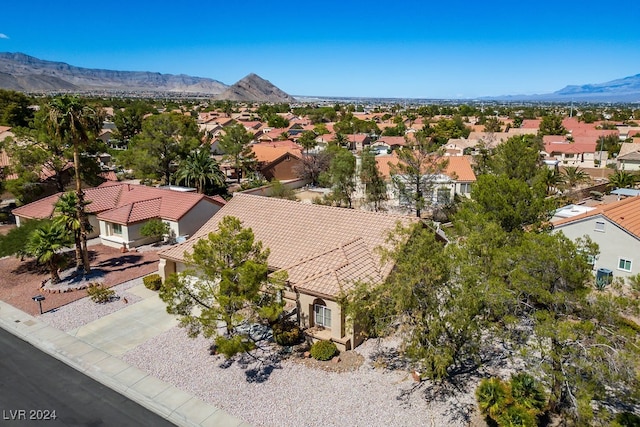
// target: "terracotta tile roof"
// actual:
[[134, 212], [4, 159], [109, 175], [393, 140], [122, 198], [335, 271], [311, 241], [569, 147], [629, 147], [267, 153], [633, 156], [531, 123], [458, 168], [625, 213], [40, 209]]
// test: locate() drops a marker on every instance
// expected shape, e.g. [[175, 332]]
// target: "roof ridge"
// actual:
[[336, 208], [324, 252]]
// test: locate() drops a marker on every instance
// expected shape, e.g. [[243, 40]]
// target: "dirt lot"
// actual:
[[21, 280]]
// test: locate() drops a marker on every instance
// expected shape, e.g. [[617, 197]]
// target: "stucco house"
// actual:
[[117, 211], [629, 156], [325, 250], [581, 153], [456, 178], [615, 227], [281, 161]]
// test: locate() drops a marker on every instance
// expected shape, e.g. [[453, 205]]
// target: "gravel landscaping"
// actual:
[[83, 311], [290, 393]]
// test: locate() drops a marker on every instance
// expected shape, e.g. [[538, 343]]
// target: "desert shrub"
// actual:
[[287, 333], [323, 350], [152, 281], [626, 419], [100, 294], [155, 228]]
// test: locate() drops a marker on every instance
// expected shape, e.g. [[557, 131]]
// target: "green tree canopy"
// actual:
[[165, 140], [372, 179], [551, 125], [228, 284], [341, 175], [236, 144], [420, 162]]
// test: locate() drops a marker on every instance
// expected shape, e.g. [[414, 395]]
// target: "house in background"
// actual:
[[325, 251], [581, 153], [117, 211], [629, 156], [615, 227], [456, 178], [281, 160]]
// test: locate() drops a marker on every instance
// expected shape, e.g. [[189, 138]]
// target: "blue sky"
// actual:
[[407, 49]]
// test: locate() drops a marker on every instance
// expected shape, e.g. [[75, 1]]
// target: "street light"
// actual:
[[39, 298]]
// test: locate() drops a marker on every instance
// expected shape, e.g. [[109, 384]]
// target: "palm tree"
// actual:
[[552, 179], [45, 244], [621, 179], [66, 208], [492, 396], [199, 168], [574, 175], [75, 124]]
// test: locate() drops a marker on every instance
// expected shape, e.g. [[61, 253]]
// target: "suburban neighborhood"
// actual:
[[400, 264]]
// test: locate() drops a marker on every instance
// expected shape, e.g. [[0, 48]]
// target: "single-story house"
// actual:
[[117, 211], [615, 227], [325, 250]]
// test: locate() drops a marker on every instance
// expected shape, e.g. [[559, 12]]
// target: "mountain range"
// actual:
[[25, 73], [28, 74], [624, 90]]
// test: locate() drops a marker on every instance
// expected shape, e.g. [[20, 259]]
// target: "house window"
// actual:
[[465, 188], [624, 264], [322, 315], [600, 226], [117, 229]]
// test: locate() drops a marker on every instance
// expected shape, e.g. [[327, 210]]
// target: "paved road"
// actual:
[[33, 384]]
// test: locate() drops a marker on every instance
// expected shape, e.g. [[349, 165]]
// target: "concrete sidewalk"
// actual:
[[94, 350]]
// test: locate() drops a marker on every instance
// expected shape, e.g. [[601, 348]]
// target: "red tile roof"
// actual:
[[625, 213], [458, 168], [125, 203]]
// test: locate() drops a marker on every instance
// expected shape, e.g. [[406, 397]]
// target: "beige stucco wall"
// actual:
[[614, 243], [195, 218], [340, 333]]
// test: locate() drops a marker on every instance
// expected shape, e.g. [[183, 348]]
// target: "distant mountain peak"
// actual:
[[252, 87]]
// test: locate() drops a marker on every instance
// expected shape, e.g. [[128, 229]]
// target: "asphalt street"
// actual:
[[39, 390]]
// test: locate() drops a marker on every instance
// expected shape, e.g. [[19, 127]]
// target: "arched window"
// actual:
[[321, 314]]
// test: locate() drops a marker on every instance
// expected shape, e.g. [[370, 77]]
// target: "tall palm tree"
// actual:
[[200, 168], [76, 124], [574, 175], [67, 216], [621, 179], [45, 244]]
